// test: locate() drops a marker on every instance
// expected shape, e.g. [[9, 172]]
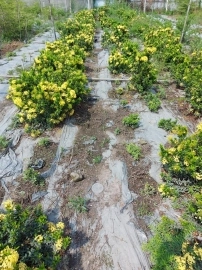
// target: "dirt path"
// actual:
[[114, 237]]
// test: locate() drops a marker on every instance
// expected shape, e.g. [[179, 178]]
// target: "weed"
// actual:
[[143, 209], [10, 54], [153, 102], [10, 72], [31, 175], [97, 159], [93, 138], [120, 91], [161, 93], [133, 120], [117, 131], [105, 142], [167, 124], [78, 204], [117, 82], [44, 142], [148, 189], [123, 102], [107, 260], [3, 142], [62, 151], [134, 150], [15, 122], [19, 69]]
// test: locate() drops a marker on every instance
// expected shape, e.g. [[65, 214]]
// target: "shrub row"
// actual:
[[49, 91], [185, 68], [126, 55]]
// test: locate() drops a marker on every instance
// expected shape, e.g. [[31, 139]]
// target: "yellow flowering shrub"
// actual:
[[49, 91], [79, 30], [185, 68], [166, 42], [183, 158], [28, 241], [115, 34], [191, 257], [195, 206]]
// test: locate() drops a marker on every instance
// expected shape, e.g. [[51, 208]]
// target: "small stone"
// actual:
[[97, 188], [38, 164], [142, 142], [76, 177], [91, 141], [110, 123]]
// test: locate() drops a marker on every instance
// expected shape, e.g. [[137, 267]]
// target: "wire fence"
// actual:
[[68, 5]]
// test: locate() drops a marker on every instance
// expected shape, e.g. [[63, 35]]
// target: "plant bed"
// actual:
[[45, 153]]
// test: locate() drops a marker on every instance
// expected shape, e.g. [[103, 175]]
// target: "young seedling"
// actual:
[[3, 142], [105, 142], [33, 176], [120, 91], [117, 131], [133, 120], [78, 204], [153, 102], [123, 102], [148, 189], [97, 159], [44, 142], [134, 150], [167, 124]]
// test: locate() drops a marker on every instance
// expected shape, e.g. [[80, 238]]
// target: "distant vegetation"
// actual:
[[20, 21]]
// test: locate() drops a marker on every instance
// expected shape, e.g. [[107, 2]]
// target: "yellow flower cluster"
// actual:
[[51, 227], [188, 259], [161, 188], [199, 127], [198, 176], [164, 161], [122, 28], [2, 216], [38, 238], [150, 49], [8, 259], [22, 266], [60, 225], [144, 58], [58, 245], [9, 205]]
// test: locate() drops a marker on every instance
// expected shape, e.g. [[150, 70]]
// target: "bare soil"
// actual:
[[10, 47]]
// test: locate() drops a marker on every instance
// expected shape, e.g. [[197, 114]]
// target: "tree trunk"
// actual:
[[144, 6], [166, 6]]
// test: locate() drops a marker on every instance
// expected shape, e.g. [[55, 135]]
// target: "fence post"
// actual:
[[52, 19], [185, 22]]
